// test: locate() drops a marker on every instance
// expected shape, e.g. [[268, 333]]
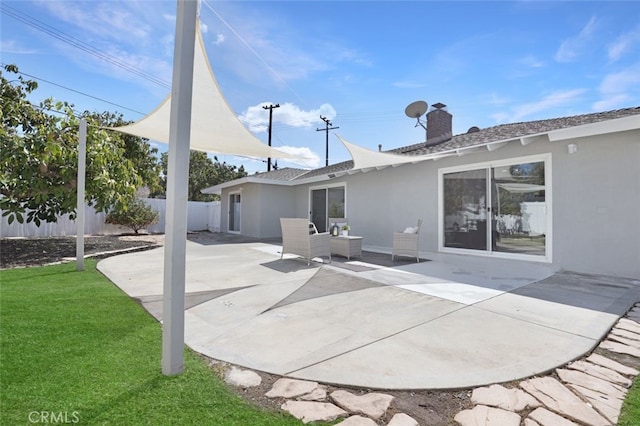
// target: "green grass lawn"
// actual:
[[78, 350], [630, 415]]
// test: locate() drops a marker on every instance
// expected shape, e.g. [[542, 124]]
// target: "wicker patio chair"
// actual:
[[297, 239], [406, 243]]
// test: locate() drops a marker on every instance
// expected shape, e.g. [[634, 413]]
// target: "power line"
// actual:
[[53, 32], [243, 41], [326, 129], [77, 91]]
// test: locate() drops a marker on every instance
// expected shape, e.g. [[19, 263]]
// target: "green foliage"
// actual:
[[203, 173], [630, 413], [72, 342], [39, 157], [135, 149], [136, 215]]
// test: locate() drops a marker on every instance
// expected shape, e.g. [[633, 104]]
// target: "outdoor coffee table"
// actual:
[[346, 246]]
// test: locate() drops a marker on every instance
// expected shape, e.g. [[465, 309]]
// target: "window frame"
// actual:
[[488, 165], [326, 187]]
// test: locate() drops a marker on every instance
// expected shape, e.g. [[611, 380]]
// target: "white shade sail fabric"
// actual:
[[215, 127], [521, 187], [364, 158]]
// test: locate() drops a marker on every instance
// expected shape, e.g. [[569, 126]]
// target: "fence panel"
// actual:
[[200, 216], [215, 211]]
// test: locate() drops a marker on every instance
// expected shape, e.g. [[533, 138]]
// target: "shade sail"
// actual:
[[521, 187], [364, 158], [214, 126]]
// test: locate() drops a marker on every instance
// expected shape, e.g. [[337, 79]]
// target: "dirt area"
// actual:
[[24, 252], [434, 408]]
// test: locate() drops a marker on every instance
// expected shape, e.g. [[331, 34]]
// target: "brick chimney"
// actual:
[[439, 127]]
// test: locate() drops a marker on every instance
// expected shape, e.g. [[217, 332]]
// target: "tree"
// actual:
[[136, 215], [203, 173], [39, 158], [136, 149]]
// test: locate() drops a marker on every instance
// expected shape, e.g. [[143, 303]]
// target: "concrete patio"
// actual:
[[447, 322]]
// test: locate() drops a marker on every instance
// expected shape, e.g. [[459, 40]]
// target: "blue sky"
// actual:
[[358, 63]]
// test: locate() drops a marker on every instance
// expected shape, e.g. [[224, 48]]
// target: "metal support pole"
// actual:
[[82, 167], [177, 183]]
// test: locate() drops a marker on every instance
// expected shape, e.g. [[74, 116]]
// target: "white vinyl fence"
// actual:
[[200, 216]]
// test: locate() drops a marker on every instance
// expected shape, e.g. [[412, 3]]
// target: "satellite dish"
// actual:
[[416, 110]]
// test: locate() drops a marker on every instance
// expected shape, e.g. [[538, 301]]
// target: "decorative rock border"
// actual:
[[586, 392]]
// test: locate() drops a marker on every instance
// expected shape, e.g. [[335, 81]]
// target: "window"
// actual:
[[501, 207], [234, 212]]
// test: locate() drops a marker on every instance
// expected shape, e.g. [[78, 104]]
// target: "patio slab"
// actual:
[[431, 325], [468, 347]]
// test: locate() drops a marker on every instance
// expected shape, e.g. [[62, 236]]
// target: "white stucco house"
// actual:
[[565, 191]]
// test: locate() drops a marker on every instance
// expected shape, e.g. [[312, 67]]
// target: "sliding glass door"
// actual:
[[465, 209], [319, 209], [326, 203], [519, 208], [496, 208]]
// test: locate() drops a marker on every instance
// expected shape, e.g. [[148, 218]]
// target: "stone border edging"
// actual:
[[586, 392]]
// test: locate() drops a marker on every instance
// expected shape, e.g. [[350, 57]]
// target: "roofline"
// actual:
[[615, 125], [217, 189], [621, 124]]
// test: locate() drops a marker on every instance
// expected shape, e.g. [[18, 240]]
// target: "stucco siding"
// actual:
[[276, 202], [593, 195], [597, 206], [261, 208]]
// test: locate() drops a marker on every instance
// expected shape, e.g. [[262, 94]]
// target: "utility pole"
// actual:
[[327, 123], [270, 108]]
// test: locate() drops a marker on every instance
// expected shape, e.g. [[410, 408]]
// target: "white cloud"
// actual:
[[257, 118], [106, 20], [350, 55], [554, 100], [266, 47], [573, 47], [619, 88], [500, 117], [623, 44], [611, 103], [219, 40], [408, 84], [12, 46], [308, 158], [532, 62], [622, 81], [116, 37]]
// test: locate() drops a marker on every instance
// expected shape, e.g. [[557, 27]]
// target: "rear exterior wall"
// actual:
[[594, 195]]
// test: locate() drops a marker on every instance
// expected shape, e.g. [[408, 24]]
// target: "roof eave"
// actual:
[[616, 125], [217, 189]]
